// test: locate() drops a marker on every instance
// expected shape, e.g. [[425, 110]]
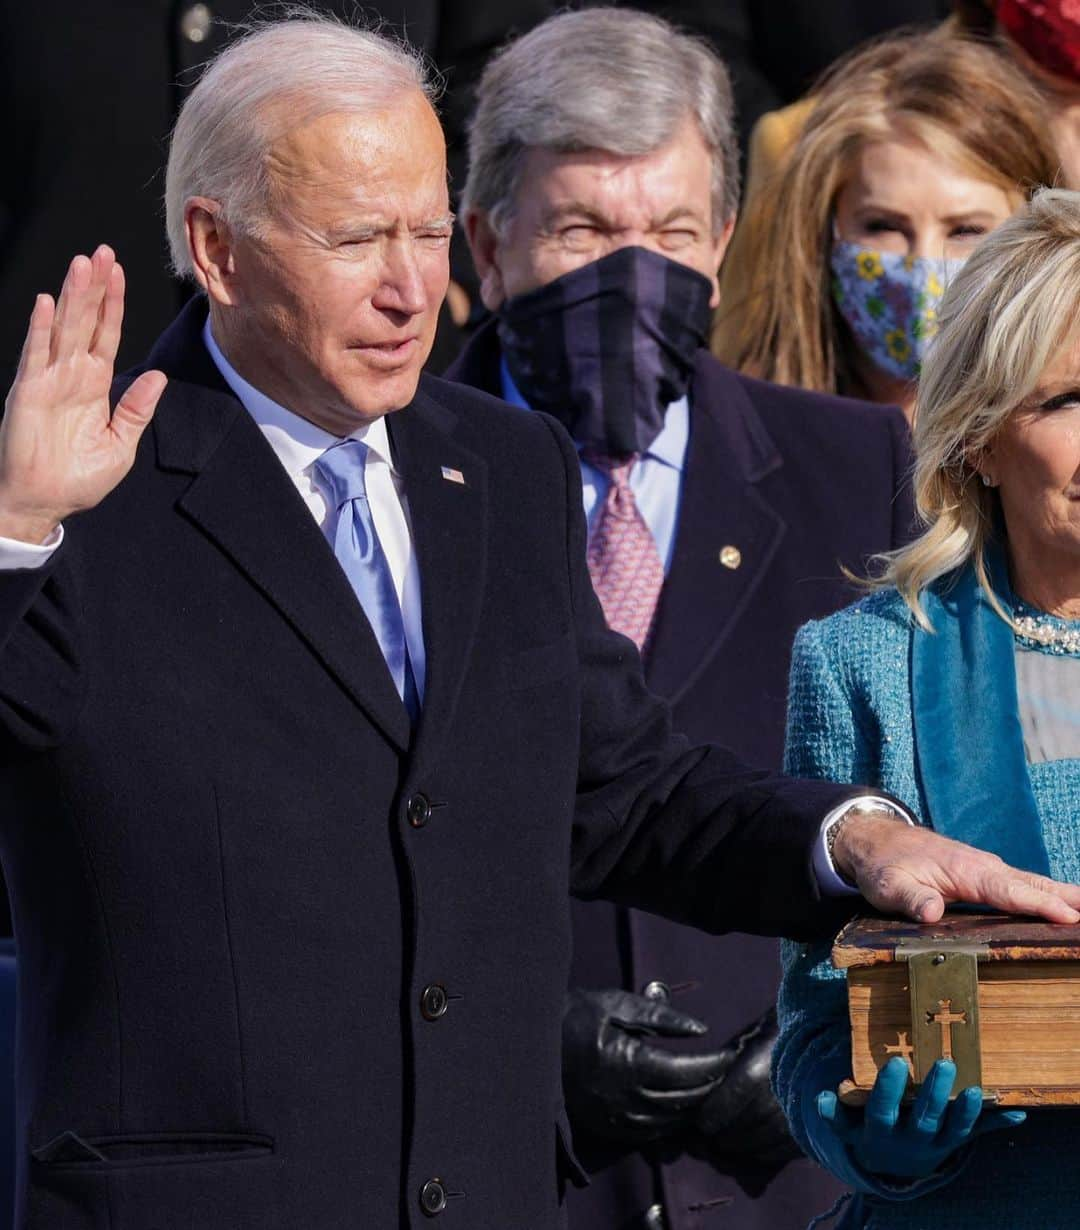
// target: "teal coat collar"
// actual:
[[969, 746]]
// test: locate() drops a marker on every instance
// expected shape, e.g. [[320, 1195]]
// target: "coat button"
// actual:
[[433, 1198], [418, 810], [657, 990], [433, 1002], [654, 1218], [195, 23]]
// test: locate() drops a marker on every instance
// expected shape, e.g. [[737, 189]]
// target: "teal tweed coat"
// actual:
[[850, 720]]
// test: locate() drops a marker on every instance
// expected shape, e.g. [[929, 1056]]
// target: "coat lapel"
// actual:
[[724, 520], [446, 485], [243, 500]]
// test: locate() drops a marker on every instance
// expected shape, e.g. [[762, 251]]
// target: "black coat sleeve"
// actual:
[[688, 832], [41, 676]]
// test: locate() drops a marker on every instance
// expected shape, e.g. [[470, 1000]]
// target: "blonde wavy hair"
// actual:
[[956, 96], [1010, 309]]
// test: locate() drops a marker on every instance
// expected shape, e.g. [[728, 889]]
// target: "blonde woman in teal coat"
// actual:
[[955, 688]]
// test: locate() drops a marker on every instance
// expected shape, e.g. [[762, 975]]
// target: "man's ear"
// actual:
[[484, 246], [720, 247], [211, 248]]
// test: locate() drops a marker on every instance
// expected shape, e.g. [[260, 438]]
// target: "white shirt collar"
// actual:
[[297, 442], [669, 446]]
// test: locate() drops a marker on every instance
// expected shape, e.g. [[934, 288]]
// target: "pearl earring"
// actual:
[[987, 480]]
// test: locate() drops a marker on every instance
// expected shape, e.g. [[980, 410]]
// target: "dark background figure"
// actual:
[[76, 175], [776, 49]]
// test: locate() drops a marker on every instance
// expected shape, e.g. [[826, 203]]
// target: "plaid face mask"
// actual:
[[890, 303], [605, 349]]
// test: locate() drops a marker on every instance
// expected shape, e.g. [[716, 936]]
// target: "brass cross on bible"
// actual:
[[946, 1019], [904, 1048]]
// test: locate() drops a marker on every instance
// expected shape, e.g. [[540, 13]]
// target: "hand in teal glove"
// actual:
[[886, 1140]]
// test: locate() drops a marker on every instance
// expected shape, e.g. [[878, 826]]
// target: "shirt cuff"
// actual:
[[16, 555], [829, 879]]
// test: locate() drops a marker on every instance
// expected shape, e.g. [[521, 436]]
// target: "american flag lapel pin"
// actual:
[[453, 476]]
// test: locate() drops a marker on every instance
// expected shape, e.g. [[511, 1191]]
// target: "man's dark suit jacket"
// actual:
[[799, 484], [236, 878]]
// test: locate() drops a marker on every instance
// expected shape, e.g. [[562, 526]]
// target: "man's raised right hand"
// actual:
[[62, 448]]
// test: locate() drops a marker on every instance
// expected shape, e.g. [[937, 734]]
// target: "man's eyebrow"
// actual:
[[365, 229], [336, 230], [443, 222], [573, 209], [578, 209], [678, 214]]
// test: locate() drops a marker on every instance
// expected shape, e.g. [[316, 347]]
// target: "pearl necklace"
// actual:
[[1042, 631]]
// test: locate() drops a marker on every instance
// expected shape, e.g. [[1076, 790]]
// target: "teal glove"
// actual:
[[909, 1144]]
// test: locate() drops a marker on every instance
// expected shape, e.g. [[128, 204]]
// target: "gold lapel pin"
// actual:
[[730, 557]]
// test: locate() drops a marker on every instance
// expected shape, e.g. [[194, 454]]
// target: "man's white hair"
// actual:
[[274, 78]]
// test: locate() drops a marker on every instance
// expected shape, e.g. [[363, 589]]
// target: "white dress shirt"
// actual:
[[15, 555], [298, 444]]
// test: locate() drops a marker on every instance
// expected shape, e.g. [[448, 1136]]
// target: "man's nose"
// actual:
[[402, 288]]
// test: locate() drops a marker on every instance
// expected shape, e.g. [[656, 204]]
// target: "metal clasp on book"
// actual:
[[943, 976]]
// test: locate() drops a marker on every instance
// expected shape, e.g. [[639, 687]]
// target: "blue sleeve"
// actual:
[[825, 739], [821, 736]]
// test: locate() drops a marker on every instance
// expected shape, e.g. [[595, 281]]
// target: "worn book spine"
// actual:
[[1029, 1029]]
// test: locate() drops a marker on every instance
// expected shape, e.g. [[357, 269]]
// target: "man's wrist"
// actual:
[[35, 530], [864, 808], [833, 872], [17, 555]]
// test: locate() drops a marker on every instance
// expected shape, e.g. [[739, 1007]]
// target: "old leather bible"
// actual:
[[998, 995]]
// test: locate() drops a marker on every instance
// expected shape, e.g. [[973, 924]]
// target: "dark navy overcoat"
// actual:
[[284, 962]]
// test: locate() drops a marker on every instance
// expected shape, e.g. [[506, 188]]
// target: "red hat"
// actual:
[[1048, 30]]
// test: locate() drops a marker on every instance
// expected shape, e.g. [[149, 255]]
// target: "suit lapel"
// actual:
[[449, 528], [723, 520], [242, 499]]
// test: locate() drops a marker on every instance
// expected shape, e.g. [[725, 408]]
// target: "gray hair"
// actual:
[[1006, 314], [605, 79], [279, 75]]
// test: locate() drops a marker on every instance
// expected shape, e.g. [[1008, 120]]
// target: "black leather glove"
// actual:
[[743, 1130], [619, 1085]]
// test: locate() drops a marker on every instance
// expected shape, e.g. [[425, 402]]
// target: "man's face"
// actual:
[[573, 209], [332, 310]]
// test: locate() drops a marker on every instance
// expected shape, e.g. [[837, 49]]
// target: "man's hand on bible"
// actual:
[[62, 449], [907, 869], [911, 1143], [619, 1084]]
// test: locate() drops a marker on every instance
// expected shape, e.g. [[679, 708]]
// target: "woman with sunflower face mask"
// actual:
[[914, 149]]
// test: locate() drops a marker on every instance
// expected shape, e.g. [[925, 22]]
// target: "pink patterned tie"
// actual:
[[625, 566]]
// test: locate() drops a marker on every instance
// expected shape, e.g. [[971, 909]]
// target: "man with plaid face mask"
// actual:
[[720, 510]]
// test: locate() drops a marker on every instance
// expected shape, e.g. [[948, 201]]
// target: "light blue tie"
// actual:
[[351, 532]]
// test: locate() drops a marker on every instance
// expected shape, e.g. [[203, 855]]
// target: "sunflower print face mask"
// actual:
[[890, 303]]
